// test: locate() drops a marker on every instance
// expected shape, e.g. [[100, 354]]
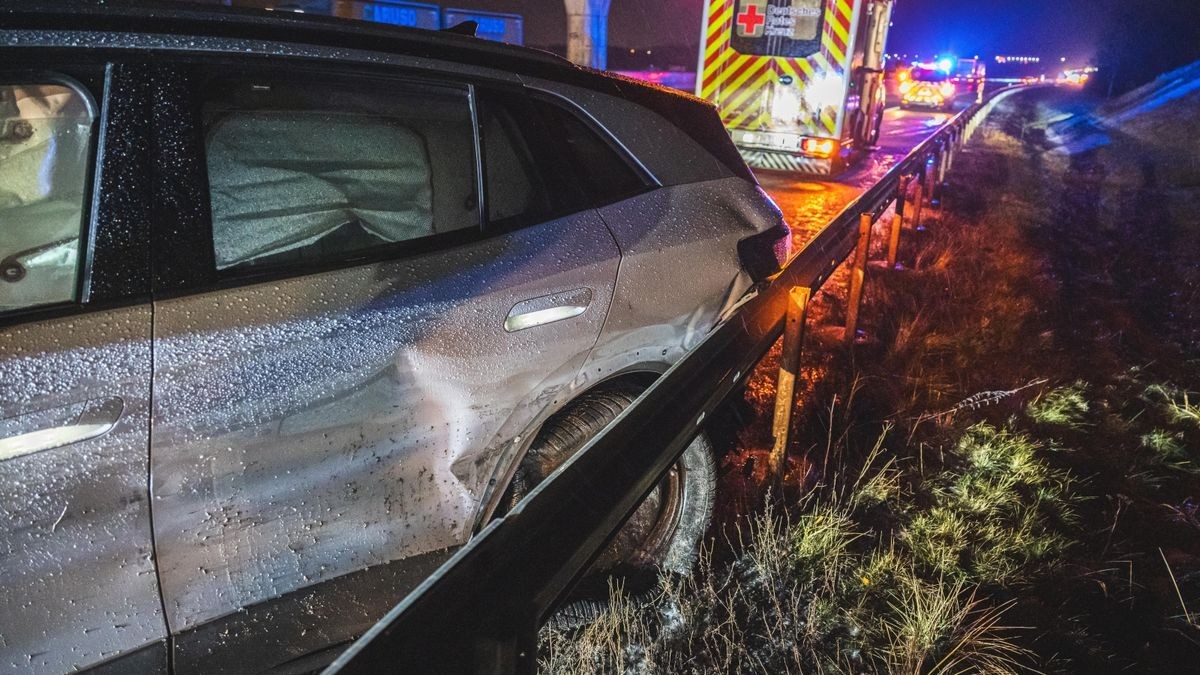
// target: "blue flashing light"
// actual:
[[945, 65]]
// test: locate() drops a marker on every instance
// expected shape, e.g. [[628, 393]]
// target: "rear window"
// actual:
[[788, 28], [606, 175], [929, 75], [303, 172]]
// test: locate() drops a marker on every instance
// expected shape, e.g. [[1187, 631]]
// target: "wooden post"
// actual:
[[858, 277], [789, 370], [897, 223]]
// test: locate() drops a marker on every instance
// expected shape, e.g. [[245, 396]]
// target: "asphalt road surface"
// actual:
[[808, 203]]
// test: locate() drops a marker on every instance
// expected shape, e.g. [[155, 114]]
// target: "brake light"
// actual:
[[818, 147]]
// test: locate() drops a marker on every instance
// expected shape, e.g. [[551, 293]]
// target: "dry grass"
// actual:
[[820, 588]]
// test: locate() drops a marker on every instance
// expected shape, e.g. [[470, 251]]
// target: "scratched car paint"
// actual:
[[266, 438]]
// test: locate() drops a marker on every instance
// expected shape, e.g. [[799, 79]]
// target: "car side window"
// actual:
[[542, 160], [605, 175], [520, 183], [303, 172], [45, 140]]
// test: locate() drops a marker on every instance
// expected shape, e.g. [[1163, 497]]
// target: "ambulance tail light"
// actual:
[[819, 147]]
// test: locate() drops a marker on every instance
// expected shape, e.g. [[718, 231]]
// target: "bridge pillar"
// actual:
[[587, 32]]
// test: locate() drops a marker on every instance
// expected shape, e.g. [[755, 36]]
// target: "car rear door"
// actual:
[[78, 585], [341, 344]]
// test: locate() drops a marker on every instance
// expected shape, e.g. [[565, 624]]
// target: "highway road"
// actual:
[[808, 203]]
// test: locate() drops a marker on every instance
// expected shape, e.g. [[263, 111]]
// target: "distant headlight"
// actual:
[[947, 89]]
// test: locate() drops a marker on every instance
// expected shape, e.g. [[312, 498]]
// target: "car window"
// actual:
[[519, 171], [788, 28], [304, 172], [541, 159], [45, 133], [929, 75], [605, 175]]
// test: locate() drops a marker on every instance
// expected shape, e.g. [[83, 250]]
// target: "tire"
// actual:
[[662, 537], [878, 130]]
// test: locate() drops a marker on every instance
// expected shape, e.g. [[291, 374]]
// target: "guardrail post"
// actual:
[[918, 202], [858, 277], [933, 172], [943, 166], [897, 223], [789, 370]]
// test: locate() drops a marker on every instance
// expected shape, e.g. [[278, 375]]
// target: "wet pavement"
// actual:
[[809, 203]]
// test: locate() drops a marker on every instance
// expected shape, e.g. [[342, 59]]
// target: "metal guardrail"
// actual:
[[480, 612]]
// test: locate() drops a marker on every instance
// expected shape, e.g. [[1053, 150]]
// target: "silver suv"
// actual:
[[290, 308]]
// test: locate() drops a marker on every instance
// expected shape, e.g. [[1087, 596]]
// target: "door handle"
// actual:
[[95, 418], [547, 309]]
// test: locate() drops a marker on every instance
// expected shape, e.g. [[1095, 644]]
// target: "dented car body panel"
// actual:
[[316, 426], [294, 449]]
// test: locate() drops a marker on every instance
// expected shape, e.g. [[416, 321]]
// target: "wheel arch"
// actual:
[[640, 376]]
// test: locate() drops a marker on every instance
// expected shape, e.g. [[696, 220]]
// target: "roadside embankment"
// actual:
[[1008, 469]]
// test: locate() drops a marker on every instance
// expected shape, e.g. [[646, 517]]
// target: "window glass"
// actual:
[[604, 175], [45, 131], [308, 171], [542, 160], [929, 75], [790, 28], [516, 163]]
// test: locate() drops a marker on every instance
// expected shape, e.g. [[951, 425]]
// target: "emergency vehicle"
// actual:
[[928, 86], [943, 83], [799, 83], [970, 76]]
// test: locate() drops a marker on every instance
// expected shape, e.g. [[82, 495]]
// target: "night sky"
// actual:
[[1046, 28], [1038, 27]]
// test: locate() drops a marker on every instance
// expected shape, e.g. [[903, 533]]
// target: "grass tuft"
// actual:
[[941, 628], [997, 515], [1169, 449], [1063, 406], [1177, 404]]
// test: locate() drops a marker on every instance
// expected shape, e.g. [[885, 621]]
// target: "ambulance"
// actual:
[[799, 83]]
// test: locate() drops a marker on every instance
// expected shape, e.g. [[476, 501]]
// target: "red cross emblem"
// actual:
[[751, 20]]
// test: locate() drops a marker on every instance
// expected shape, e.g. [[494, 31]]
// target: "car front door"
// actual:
[[349, 344], [77, 574]]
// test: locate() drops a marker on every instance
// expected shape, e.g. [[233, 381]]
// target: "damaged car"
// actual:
[[291, 307]]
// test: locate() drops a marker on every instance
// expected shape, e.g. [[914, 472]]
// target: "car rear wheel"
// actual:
[[663, 536]]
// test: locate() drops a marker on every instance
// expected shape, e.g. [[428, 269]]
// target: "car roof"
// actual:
[[202, 20], [693, 115]]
